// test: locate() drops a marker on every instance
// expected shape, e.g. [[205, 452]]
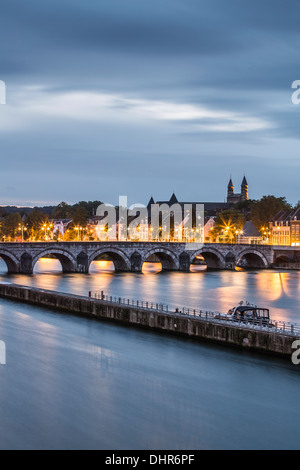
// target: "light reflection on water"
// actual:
[[214, 290]]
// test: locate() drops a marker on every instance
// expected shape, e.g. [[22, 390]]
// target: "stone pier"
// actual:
[[262, 340]]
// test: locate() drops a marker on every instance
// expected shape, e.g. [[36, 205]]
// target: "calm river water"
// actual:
[[75, 383]]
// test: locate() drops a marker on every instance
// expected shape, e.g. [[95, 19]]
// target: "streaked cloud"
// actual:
[[34, 103]]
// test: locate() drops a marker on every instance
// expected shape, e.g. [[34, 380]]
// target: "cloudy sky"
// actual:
[[112, 97]]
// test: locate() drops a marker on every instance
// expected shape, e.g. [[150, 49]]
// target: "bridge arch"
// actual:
[[11, 261], [283, 258], [167, 259], [251, 258], [117, 256], [66, 259], [213, 258]]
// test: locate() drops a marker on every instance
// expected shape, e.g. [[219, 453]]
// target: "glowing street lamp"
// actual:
[[46, 228], [22, 228], [79, 232]]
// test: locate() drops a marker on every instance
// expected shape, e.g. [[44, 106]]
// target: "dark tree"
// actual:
[[63, 211], [10, 225], [264, 209]]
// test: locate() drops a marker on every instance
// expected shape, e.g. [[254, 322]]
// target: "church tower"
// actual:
[[230, 190], [244, 190]]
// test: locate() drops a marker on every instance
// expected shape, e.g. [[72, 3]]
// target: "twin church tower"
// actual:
[[232, 197]]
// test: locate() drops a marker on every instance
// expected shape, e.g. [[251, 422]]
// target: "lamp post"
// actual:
[[46, 228], [79, 231], [22, 228]]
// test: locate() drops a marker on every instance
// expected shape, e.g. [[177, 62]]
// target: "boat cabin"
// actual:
[[250, 312]]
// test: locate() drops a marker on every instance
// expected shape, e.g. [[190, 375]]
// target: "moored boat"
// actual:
[[247, 313]]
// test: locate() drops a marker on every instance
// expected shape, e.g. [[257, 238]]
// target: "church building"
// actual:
[[232, 197], [211, 208]]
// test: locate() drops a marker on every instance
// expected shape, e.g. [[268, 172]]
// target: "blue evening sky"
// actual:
[[139, 98]]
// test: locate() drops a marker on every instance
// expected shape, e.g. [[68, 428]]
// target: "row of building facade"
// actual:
[[283, 229]]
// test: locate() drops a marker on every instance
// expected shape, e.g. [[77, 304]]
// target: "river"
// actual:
[[76, 383]]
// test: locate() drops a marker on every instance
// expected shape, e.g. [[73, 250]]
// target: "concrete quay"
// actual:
[[263, 340]]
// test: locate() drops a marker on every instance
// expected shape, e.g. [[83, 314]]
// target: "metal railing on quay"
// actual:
[[274, 326], [132, 302]]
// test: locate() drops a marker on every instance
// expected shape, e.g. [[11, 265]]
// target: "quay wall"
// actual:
[[251, 339]]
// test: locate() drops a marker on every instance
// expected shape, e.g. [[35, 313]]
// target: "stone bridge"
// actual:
[[130, 256]]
